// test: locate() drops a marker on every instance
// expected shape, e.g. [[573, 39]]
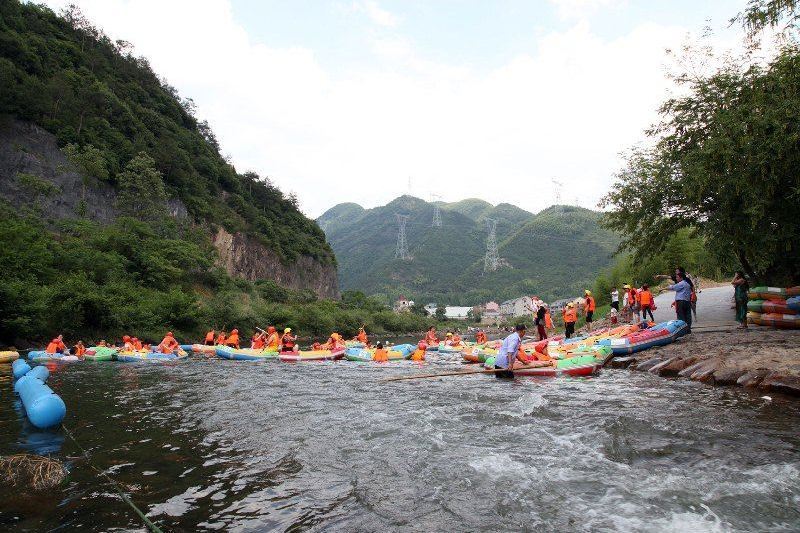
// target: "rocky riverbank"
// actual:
[[768, 360]]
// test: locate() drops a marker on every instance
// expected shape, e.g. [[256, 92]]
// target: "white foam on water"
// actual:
[[497, 466], [525, 405]]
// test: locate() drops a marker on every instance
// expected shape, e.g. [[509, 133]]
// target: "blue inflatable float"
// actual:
[[45, 409], [19, 368]]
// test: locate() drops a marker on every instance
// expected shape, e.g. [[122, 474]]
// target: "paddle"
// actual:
[[462, 373]]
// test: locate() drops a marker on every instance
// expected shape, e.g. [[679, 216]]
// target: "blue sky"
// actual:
[[345, 100]]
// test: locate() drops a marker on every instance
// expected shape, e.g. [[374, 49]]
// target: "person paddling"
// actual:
[[79, 349], [168, 344], [257, 341], [362, 336], [273, 339], [508, 353], [56, 345], [210, 337], [221, 337], [233, 339]]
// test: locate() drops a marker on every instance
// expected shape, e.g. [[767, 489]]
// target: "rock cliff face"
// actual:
[[35, 174], [244, 257]]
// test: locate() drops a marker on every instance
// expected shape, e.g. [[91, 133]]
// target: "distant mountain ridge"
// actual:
[[554, 253]]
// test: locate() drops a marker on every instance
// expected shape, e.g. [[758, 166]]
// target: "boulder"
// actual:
[[647, 364], [689, 370], [752, 378], [622, 362], [727, 376], [671, 367], [781, 383]]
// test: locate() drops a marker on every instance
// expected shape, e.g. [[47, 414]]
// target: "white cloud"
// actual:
[[577, 9], [563, 112], [377, 14]]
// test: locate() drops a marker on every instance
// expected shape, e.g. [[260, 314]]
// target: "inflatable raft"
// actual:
[[770, 306], [572, 367], [136, 357], [775, 320], [657, 335], [8, 356], [41, 355], [443, 348], [400, 351], [311, 355], [245, 354], [205, 348], [100, 353]]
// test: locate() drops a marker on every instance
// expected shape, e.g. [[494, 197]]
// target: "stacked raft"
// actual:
[[776, 307]]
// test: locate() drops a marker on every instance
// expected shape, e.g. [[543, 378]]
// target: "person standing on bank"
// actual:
[[570, 315], [683, 298], [615, 299], [539, 321], [509, 353], [740, 287], [588, 308]]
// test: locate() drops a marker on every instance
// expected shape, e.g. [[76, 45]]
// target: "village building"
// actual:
[[403, 305]]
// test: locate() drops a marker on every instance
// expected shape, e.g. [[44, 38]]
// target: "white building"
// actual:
[[457, 313], [403, 304], [521, 306]]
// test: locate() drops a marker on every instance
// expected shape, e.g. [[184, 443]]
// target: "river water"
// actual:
[[208, 444]]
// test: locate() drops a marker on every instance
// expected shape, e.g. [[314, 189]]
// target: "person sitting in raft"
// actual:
[[127, 343], [79, 349], [137, 344], [102, 343], [509, 353], [257, 341], [480, 337], [419, 353], [380, 355], [56, 345], [570, 317], [210, 338], [273, 339], [233, 339], [362, 336], [288, 341], [168, 344], [588, 307], [335, 342], [221, 338], [430, 338]]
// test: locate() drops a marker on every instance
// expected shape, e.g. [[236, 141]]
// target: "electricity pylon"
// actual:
[[401, 250], [492, 260], [557, 185], [437, 213]]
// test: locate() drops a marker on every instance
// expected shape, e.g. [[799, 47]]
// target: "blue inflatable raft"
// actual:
[[44, 408]]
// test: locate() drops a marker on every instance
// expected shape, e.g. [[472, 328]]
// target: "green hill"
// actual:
[[553, 254]]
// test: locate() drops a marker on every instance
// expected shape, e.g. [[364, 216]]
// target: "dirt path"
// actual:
[[713, 307]]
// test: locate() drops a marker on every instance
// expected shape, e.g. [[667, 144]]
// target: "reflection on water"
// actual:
[[213, 444]]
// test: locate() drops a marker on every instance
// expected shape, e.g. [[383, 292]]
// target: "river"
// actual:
[[208, 444]]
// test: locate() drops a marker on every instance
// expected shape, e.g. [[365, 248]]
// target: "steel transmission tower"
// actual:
[[492, 261], [401, 250], [437, 212], [557, 185]]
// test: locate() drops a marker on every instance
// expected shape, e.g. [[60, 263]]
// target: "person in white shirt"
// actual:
[[615, 298]]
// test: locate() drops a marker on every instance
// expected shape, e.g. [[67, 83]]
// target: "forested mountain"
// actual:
[[119, 213], [555, 253]]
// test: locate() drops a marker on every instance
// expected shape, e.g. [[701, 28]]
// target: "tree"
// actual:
[[723, 163], [141, 189], [761, 14], [440, 314]]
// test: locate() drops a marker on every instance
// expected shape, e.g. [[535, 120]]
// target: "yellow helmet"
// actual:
[[587, 292], [571, 304], [287, 330], [449, 335]]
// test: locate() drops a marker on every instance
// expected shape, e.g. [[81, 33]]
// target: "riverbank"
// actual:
[[761, 358]]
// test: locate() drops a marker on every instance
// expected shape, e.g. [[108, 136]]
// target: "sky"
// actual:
[[364, 100]]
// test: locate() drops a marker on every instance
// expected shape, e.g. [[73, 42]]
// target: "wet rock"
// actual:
[[622, 362], [647, 364], [727, 376], [752, 378], [781, 383], [671, 367], [705, 372], [691, 369]]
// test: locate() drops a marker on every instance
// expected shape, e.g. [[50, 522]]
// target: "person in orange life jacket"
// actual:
[[588, 307], [257, 341], [419, 353], [210, 338], [168, 343], [455, 339], [102, 343], [570, 315], [548, 320], [127, 344], [362, 336], [273, 339], [380, 355], [221, 338], [56, 345], [539, 322], [430, 338], [79, 349], [480, 337], [646, 302], [288, 341], [233, 339], [137, 344]]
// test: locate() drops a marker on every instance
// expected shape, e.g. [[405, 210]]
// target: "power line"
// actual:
[[437, 213], [401, 249], [557, 184]]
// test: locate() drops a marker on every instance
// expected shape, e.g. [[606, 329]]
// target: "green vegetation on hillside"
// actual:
[[69, 78], [553, 254]]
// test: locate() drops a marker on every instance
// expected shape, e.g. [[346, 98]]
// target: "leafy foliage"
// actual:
[[107, 107], [724, 165]]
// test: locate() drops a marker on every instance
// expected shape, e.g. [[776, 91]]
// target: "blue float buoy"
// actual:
[[19, 368]]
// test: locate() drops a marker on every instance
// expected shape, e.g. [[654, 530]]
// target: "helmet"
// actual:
[[422, 346], [169, 334], [626, 286], [449, 334], [587, 292], [571, 304], [234, 330], [126, 338], [287, 330]]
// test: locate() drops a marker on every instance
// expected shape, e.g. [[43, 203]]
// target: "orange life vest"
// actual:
[[52, 347], [233, 340], [646, 297], [431, 339], [273, 340], [590, 303], [80, 350], [418, 355], [220, 339], [570, 315], [548, 320], [210, 336], [362, 336], [258, 342], [480, 338], [380, 355]]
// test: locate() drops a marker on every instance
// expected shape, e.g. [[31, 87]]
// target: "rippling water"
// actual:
[[213, 444]]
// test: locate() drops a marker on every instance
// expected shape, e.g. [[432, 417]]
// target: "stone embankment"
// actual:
[[760, 358]]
